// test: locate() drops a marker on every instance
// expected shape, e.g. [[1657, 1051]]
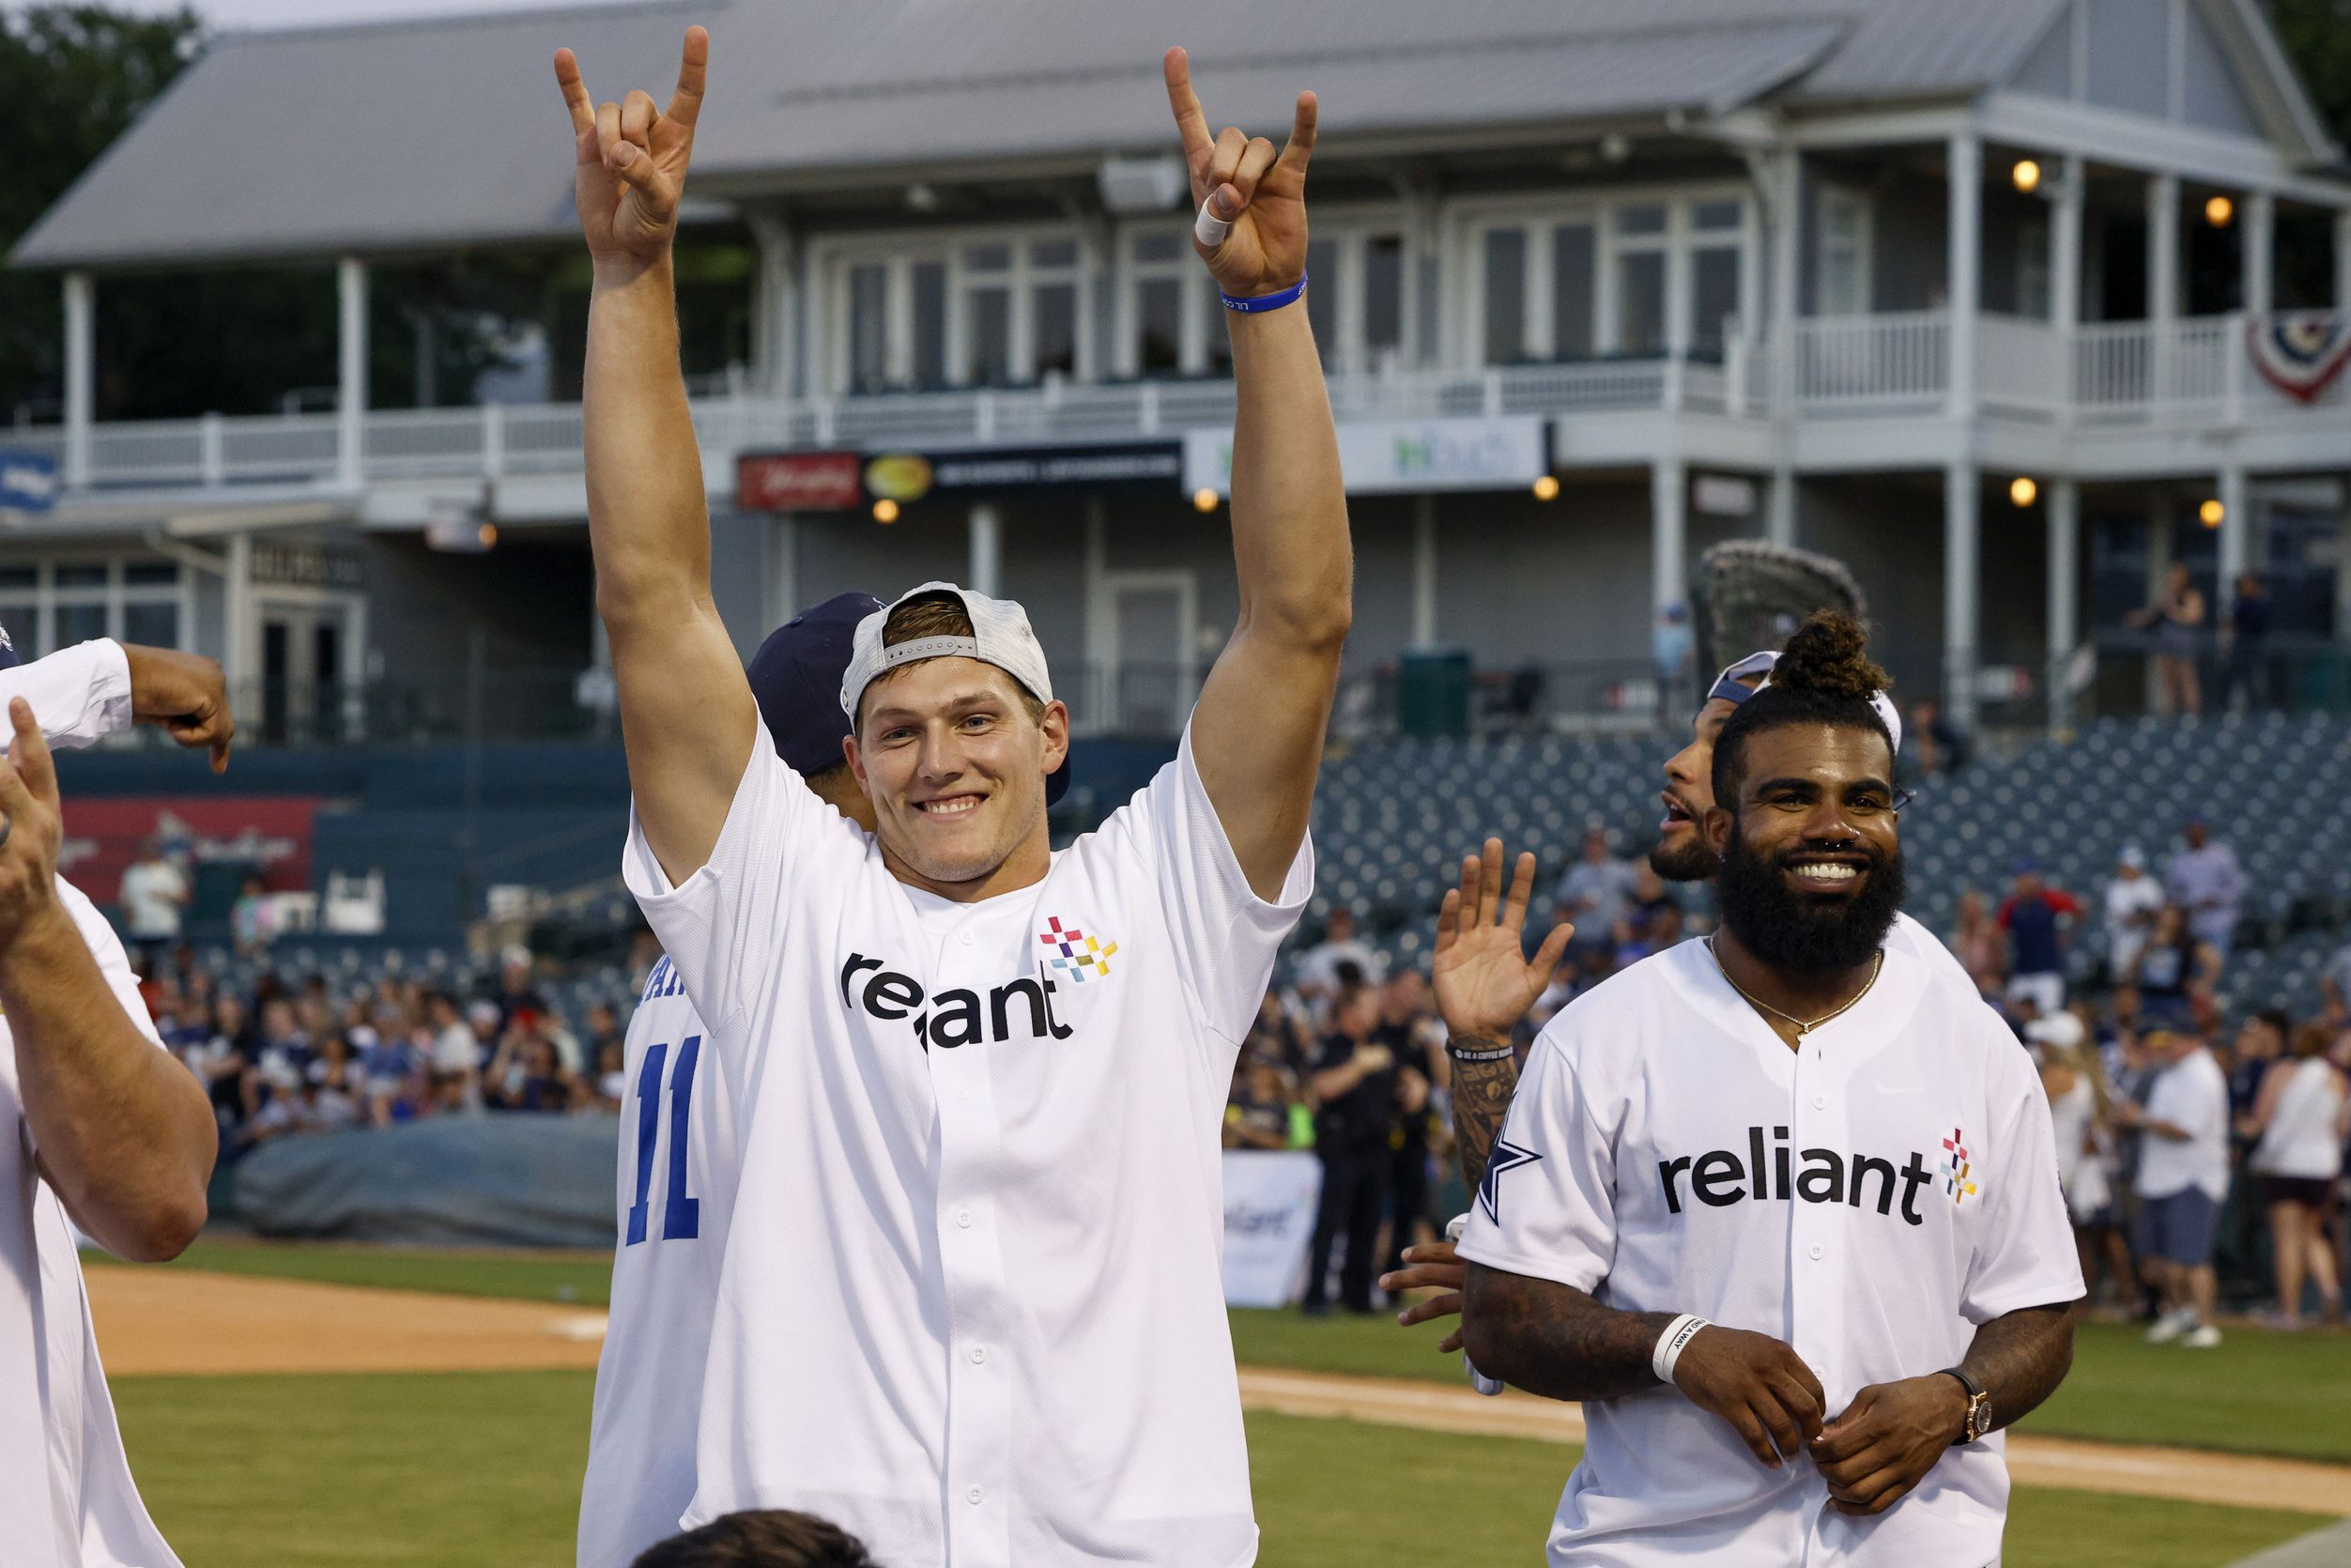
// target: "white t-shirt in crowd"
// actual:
[[2192, 1094], [675, 1194], [2132, 905], [1871, 1201], [151, 895], [973, 1310]]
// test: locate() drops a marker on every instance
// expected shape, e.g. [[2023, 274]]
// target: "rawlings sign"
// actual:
[[2300, 352]]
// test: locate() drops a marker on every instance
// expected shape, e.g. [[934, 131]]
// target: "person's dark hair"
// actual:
[[2278, 1019], [763, 1538], [1823, 676], [1349, 975], [832, 775]]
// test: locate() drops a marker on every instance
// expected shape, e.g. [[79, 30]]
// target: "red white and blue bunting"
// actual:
[[2300, 352]]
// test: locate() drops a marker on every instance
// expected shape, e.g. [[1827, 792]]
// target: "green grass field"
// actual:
[[482, 1470]]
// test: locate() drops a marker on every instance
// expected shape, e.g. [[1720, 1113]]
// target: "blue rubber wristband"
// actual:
[[1257, 303]]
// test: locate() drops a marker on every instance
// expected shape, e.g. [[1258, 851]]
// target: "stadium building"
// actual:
[[1985, 297]]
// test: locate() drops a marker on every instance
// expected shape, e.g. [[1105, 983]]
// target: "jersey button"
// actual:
[[979, 1355], [1819, 1103], [1816, 1250], [963, 1217], [975, 1495], [967, 939]]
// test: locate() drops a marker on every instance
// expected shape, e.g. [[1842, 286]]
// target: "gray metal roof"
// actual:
[[437, 134]]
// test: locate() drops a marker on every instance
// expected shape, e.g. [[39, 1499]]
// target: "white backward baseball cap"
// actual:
[[1001, 635], [1732, 686]]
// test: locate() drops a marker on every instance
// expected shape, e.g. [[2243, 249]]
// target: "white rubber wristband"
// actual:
[[1672, 1343], [1208, 228]]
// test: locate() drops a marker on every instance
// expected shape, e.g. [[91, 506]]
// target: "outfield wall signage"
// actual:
[[1401, 456]]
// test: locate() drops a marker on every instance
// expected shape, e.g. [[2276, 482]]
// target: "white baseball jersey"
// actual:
[[1870, 1200], [675, 1192], [1909, 936], [65, 1493], [971, 1308]]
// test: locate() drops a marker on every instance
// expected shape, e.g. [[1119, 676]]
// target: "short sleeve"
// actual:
[[1548, 1207], [1225, 936], [79, 695], [2024, 1255], [112, 962], [723, 923]]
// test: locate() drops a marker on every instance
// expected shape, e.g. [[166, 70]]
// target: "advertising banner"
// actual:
[[273, 832], [1392, 456], [1269, 1199]]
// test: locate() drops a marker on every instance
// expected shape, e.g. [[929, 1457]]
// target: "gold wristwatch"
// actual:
[[1978, 1408]]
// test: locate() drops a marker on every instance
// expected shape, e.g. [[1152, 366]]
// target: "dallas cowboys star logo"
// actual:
[[1507, 1157]]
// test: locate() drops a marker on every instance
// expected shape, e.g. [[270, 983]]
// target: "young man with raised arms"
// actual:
[[970, 1306]]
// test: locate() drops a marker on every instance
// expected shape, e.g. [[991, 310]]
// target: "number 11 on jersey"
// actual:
[[681, 1216]]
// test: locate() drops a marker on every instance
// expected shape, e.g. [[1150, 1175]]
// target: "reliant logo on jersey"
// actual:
[[952, 1018], [1719, 1178], [1081, 957]]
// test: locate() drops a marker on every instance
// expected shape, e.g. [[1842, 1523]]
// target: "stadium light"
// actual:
[[2219, 210], [2211, 513], [2027, 176], [1203, 500], [2022, 491], [885, 511], [1546, 487]]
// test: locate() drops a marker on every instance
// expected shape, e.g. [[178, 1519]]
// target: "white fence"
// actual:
[[1839, 368]]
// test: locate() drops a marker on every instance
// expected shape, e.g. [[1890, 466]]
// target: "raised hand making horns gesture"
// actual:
[[633, 157], [1260, 195]]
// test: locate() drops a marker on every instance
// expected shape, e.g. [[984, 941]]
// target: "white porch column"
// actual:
[[1964, 266], [2065, 248], [781, 595], [1787, 264], [1779, 507], [2342, 259], [1963, 560], [1668, 491], [986, 528], [2237, 539], [2063, 517], [2162, 280], [2259, 253], [238, 634], [1424, 571], [774, 291], [351, 402], [81, 376]]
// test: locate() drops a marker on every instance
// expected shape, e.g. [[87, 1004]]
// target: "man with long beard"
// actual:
[[1784, 1195]]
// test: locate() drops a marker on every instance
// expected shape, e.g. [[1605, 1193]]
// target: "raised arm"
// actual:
[[686, 712], [119, 1128], [1257, 733]]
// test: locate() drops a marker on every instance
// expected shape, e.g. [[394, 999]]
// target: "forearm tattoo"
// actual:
[[1481, 1092], [2020, 1358], [1550, 1339]]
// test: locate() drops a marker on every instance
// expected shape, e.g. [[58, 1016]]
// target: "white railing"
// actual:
[[1840, 367]]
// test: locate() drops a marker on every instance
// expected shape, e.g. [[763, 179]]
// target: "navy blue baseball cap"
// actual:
[[796, 680]]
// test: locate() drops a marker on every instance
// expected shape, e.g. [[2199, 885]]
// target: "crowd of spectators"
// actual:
[[291, 1055]]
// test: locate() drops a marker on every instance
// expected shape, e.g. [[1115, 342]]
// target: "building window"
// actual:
[[1843, 288], [1505, 279], [869, 328], [1383, 297], [1158, 266], [54, 604], [1573, 295], [1638, 237], [988, 312], [1636, 277]]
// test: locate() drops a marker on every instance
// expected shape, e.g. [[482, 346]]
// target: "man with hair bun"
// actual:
[[1777, 1207]]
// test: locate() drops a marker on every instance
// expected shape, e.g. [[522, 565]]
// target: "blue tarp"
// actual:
[[500, 1180]]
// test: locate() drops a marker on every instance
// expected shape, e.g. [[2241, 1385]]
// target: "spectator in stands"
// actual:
[[2299, 1121], [2082, 1114], [155, 893], [1650, 897], [2204, 879], [456, 1056], [387, 1072], [1257, 1114], [1415, 1036], [2034, 917], [2176, 618], [1317, 969], [2133, 898], [1277, 1036], [1978, 943], [611, 1077], [2246, 641], [516, 991], [2183, 1182], [1937, 744], [2334, 986], [526, 1075], [1354, 1085], [253, 922], [218, 1058], [2175, 974], [1593, 894], [1673, 648]]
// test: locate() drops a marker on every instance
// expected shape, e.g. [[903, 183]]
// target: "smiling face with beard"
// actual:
[[1811, 868]]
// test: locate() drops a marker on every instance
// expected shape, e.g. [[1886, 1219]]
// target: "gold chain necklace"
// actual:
[[1801, 1027]]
